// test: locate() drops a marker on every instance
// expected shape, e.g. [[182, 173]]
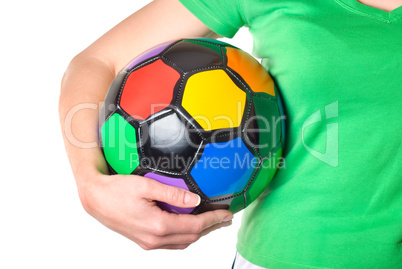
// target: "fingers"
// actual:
[[175, 196], [180, 241], [168, 223], [155, 228], [199, 223], [216, 227]]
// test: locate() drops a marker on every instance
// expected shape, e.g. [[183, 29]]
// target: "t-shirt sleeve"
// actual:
[[224, 17]]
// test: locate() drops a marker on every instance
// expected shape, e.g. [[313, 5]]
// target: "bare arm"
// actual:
[[125, 203]]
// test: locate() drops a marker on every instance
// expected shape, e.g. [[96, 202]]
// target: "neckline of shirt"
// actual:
[[371, 12]]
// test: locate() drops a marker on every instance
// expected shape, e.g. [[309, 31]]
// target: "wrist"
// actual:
[[87, 181], [90, 170]]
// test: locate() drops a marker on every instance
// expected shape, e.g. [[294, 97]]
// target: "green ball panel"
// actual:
[[237, 204], [120, 144], [269, 124], [264, 176]]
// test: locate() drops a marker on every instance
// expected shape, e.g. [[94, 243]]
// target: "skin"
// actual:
[[126, 204], [386, 5]]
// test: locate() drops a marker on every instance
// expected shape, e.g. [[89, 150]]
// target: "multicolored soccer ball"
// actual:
[[199, 114]]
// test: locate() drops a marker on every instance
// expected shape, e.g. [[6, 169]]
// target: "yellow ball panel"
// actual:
[[214, 100]]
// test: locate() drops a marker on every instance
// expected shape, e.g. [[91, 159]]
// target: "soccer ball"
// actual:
[[198, 114]]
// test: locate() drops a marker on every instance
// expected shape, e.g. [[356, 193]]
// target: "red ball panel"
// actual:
[[149, 90]]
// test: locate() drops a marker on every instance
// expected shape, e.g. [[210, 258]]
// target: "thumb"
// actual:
[[171, 195]]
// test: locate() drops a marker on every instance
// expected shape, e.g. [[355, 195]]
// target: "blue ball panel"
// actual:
[[224, 168]]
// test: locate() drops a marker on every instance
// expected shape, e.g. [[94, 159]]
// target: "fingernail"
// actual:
[[192, 199], [228, 218]]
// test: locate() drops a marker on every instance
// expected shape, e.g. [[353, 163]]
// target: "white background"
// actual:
[[42, 223]]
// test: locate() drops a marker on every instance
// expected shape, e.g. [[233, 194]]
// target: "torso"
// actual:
[[337, 65]]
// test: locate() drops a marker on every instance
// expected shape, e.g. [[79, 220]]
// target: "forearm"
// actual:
[[83, 88]]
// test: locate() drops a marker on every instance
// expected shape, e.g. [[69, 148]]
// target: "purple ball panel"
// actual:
[[176, 182], [148, 54]]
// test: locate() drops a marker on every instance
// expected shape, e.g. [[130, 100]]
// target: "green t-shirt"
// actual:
[[337, 202]]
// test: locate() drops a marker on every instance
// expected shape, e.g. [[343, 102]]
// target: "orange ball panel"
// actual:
[[250, 69]]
